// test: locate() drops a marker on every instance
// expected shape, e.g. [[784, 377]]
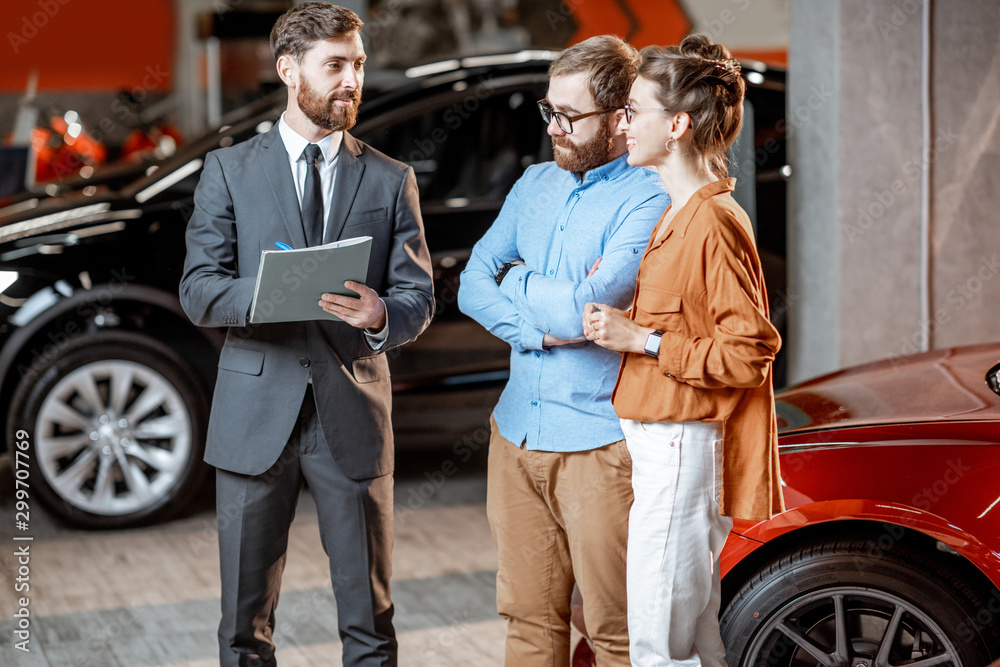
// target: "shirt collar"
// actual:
[[606, 172], [295, 143], [686, 214]]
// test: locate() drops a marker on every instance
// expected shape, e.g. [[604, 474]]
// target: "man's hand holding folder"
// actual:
[[366, 312], [291, 283]]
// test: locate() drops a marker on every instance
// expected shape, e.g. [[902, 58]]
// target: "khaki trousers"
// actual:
[[559, 518]]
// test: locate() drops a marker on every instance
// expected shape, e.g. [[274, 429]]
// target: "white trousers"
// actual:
[[675, 535]]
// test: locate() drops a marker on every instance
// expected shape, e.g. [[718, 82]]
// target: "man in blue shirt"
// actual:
[[559, 481]]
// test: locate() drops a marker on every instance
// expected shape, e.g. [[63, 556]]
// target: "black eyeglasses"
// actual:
[[564, 121], [630, 111]]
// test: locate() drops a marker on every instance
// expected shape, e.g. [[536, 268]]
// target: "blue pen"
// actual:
[[283, 246]]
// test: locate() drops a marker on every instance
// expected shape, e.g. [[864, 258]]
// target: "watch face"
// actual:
[[501, 272], [652, 346]]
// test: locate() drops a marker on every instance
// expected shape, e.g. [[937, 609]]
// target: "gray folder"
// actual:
[[290, 282]]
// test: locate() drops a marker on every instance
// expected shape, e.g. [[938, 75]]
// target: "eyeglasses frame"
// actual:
[[630, 111], [546, 110]]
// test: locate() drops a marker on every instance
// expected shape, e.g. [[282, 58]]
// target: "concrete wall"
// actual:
[[880, 265], [813, 150], [965, 173]]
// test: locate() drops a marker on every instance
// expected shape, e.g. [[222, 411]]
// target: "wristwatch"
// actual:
[[652, 346], [502, 271]]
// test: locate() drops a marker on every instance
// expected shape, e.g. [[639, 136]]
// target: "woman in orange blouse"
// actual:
[[694, 391]]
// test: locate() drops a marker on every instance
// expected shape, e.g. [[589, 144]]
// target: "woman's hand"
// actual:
[[612, 329], [548, 340]]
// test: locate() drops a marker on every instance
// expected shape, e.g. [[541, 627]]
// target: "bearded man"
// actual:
[[306, 402], [559, 480]]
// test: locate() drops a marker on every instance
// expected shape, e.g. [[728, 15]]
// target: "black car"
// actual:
[[110, 381]]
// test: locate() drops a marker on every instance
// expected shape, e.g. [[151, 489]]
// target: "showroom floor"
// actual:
[[149, 597]]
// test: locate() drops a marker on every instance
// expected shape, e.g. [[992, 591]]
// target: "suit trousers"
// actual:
[[355, 523], [559, 518], [675, 537]]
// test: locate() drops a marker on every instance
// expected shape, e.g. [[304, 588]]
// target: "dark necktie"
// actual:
[[312, 197]]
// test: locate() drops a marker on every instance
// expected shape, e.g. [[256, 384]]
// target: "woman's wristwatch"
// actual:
[[652, 346]]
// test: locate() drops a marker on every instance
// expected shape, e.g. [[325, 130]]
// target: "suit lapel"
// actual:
[[345, 187], [274, 161]]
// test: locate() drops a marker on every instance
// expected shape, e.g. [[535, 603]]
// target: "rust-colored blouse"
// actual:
[[702, 284]]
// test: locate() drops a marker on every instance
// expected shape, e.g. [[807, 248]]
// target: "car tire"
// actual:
[[797, 609], [117, 424]]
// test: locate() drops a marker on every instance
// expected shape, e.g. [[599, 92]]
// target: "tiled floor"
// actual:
[[149, 597]]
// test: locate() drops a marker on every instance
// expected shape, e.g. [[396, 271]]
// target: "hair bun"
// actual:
[[726, 70], [719, 62]]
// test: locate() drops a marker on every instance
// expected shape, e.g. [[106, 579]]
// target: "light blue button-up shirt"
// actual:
[[559, 398]]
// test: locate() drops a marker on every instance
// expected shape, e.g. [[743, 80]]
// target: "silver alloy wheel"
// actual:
[[113, 437], [851, 627]]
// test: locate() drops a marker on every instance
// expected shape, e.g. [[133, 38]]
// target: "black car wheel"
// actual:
[[840, 605], [118, 423]]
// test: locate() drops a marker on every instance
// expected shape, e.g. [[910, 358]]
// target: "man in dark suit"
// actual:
[[307, 402]]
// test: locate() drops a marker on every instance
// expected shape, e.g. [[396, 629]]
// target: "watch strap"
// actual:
[[502, 271]]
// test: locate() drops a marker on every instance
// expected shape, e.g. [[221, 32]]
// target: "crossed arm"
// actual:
[[530, 310]]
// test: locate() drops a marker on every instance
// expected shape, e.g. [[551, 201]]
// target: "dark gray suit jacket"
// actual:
[[245, 202]]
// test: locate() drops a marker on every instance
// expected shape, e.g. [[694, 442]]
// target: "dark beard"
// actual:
[[325, 113], [590, 155]]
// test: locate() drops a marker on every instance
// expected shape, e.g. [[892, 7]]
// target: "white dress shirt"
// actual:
[[295, 144]]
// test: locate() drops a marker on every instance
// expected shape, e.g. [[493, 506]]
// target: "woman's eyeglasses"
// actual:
[[564, 121], [630, 111]]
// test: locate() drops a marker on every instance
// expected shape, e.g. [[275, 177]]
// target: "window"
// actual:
[[470, 146]]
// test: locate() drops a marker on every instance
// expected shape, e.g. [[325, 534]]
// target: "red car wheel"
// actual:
[[838, 604]]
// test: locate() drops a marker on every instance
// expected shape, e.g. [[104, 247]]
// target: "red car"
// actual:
[[889, 550]]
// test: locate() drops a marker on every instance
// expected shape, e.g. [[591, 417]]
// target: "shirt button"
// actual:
[[304, 362], [538, 354], [562, 227], [551, 271], [534, 404]]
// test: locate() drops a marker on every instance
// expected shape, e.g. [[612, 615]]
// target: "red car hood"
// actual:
[[942, 385]]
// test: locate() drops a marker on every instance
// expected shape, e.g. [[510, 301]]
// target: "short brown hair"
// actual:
[[296, 30], [702, 79], [609, 63]]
